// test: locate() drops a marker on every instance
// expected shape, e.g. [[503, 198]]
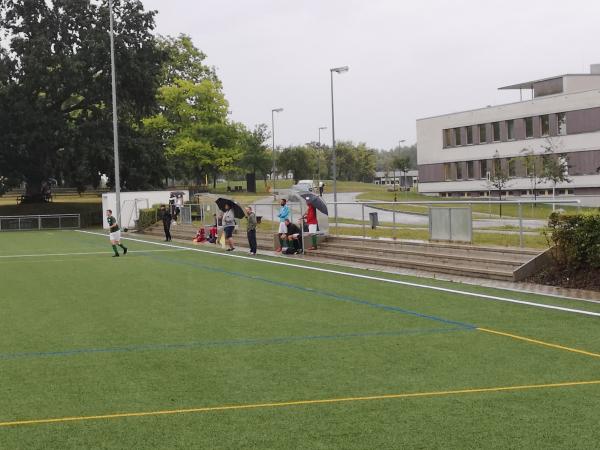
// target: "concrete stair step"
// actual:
[[417, 255], [262, 244], [469, 271], [508, 254]]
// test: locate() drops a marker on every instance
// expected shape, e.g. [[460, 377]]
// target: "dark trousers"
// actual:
[[252, 240], [167, 231]]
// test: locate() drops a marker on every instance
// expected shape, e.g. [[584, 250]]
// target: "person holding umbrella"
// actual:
[[314, 203], [231, 211], [311, 220], [229, 226]]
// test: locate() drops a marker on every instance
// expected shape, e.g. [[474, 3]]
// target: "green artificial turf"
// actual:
[[85, 334]]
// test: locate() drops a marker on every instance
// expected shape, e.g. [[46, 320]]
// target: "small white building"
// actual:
[[455, 151], [408, 179], [132, 202]]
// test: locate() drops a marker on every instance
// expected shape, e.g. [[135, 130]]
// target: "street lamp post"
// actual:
[[320, 154], [342, 69], [115, 117], [273, 111]]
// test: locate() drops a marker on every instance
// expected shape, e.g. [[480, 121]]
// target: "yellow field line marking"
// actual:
[[535, 341], [298, 403]]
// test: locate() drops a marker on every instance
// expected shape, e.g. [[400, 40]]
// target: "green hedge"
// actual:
[[148, 217], [576, 240]]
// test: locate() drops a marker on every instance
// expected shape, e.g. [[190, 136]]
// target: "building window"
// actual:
[[457, 136], [470, 170], [545, 119], [510, 130], [562, 124], [512, 168], [447, 138], [459, 171], [496, 131], [482, 134], [469, 135], [528, 127], [447, 171], [483, 168]]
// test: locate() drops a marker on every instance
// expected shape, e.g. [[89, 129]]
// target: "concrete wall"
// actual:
[[577, 83]]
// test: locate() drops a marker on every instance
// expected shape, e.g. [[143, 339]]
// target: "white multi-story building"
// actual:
[[456, 151]]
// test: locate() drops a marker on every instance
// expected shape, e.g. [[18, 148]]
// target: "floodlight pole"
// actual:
[[115, 116], [334, 157], [320, 154], [273, 111]]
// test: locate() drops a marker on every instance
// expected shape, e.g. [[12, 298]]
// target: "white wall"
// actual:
[[429, 131], [577, 83], [131, 201]]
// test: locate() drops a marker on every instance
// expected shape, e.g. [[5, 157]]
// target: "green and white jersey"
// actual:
[[112, 224]]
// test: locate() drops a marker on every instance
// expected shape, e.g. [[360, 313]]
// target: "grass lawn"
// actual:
[[480, 207], [175, 348]]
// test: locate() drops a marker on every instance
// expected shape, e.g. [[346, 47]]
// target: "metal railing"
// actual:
[[395, 211], [40, 222]]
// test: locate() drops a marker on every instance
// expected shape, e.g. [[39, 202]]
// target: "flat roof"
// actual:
[[538, 99], [530, 84]]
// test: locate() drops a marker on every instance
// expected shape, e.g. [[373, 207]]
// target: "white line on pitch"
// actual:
[[365, 277], [84, 253]]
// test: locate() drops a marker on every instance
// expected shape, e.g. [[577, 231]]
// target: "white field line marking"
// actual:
[[85, 253], [366, 277]]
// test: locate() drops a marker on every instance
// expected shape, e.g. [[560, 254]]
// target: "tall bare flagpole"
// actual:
[[115, 116]]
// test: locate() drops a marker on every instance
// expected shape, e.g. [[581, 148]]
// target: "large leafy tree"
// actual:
[[192, 121], [192, 124], [355, 162], [300, 160], [256, 157], [55, 91]]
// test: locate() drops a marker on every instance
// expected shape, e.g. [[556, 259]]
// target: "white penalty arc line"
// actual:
[[41, 255], [365, 277]]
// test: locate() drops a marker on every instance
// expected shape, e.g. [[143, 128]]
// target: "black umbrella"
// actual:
[[238, 211], [314, 200]]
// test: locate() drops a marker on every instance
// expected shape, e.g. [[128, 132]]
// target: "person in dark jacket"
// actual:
[[167, 218], [294, 236], [251, 230]]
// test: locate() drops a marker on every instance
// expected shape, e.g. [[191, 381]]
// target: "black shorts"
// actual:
[[228, 232]]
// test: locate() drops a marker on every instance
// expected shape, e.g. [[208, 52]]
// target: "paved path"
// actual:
[[352, 210], [355, 212]]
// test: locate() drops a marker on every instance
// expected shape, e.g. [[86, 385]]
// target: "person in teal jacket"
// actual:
[[284, 214]]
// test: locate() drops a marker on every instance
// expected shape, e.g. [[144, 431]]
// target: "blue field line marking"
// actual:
[[224, 343], [315, 291]]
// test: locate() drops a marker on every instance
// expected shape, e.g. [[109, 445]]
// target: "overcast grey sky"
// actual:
[[408, 59]]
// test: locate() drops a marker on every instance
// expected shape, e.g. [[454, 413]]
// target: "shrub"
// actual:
[[576, 240], [148, 217]]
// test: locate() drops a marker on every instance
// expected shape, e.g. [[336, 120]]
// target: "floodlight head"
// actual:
[[340, 69], [322, 128], [277, 110]]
